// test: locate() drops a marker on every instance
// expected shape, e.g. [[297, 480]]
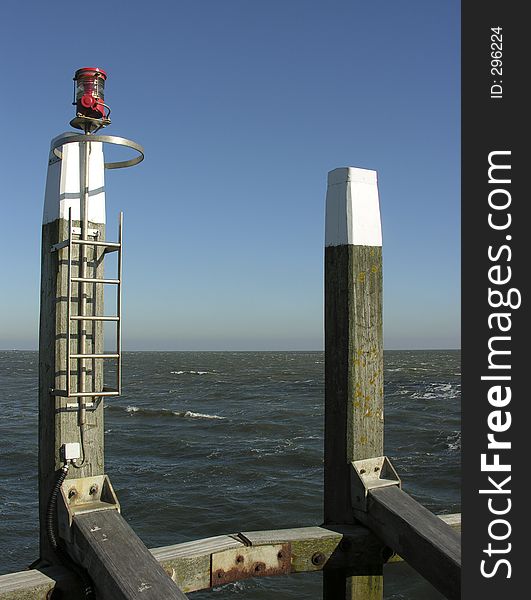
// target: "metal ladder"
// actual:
[[81, 317]]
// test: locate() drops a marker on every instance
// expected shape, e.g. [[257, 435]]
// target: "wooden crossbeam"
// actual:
[[189, 563], [119, 564], [431, 546]]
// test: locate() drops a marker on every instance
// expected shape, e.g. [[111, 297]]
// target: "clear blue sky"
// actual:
[[243, 107]]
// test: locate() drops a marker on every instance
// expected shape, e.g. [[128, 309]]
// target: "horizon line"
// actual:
[[234, 350]]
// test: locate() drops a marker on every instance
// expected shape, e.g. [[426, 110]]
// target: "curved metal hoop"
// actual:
[[105, 139]]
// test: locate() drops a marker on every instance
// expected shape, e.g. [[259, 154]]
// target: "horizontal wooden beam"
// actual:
[[431, 546], [189, 563]]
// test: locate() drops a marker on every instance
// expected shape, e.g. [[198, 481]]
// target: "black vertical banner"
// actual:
[[496, 253]]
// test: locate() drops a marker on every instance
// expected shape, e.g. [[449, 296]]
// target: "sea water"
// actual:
[[209, 443]]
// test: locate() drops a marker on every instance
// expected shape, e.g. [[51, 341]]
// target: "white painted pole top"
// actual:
[[352, 208], [63, 189]]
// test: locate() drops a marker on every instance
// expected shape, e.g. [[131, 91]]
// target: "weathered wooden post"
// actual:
[[354, 420], [80, 522], [58, 417]]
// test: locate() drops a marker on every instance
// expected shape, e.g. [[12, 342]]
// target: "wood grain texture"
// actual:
[[120, 566], [354, 422], [353, 369], [189, 563], [426, 542], [56, 424], [28, 585], [38, 585]]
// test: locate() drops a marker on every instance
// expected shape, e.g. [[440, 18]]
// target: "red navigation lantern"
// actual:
[[92, 112]]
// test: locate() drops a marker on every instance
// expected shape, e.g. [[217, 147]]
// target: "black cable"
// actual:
[[52, 505], [51, 513]]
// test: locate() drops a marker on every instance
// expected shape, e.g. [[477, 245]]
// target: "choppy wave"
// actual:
[[192, 372], [163, 412], [196, 415], [453, 441], [184, 444], [438, 390]]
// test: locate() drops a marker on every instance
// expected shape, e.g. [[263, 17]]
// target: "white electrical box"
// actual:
[[71, 451]]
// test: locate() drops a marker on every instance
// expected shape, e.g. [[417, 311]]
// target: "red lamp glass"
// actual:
[[89, 95]]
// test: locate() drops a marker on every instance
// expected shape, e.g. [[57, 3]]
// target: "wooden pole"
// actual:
[[353, 355], [71, 374], [58, 423]]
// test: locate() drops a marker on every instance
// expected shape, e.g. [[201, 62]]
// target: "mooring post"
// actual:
[[58, 419], [80, 522], [354, 420]]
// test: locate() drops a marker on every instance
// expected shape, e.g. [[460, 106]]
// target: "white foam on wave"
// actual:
[[453, 441], [425, 395], [236, 586], [132, 409], [196, 415], [447, 391], [192, 372]]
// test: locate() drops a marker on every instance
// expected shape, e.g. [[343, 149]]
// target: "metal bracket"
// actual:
[[92, 232], [369, 474], [74, 406], [59, 246], [95, 233], [83, 495]]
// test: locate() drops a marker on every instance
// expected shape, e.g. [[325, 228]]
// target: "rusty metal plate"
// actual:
[[250, 561]]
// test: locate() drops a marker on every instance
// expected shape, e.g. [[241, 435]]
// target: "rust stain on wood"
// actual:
[[251, 561]]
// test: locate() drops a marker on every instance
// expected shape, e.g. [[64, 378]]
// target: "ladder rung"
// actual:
[[109, 392], [92, 318], [105, 392], [95, 280], [94, 243], [109, 246], [94, 356], [58, 246]]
